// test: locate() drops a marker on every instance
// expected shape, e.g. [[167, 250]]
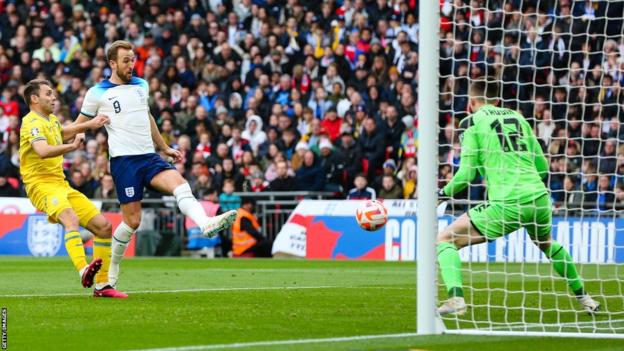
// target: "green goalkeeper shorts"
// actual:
[[496, 219]]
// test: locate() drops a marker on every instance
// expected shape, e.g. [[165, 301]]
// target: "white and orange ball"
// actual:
[[371, 215]]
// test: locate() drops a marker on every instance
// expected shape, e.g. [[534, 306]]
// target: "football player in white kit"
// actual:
[[134, 163]]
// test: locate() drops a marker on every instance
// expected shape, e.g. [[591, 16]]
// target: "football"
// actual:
[[371, 215]]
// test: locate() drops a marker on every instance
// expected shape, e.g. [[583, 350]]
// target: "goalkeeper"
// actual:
[[500, 143]]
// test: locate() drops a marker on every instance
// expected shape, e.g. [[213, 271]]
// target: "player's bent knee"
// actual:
[[100, 227], [104, 230], [461, 242], [444, 237], [543, 243], [132, 215], [133, 222]]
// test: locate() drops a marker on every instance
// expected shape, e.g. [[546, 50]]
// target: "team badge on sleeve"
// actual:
[[141, 96], [34, 131]]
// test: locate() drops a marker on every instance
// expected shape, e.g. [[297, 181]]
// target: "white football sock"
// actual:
[[81, 272], [189, 205], [120, 241]]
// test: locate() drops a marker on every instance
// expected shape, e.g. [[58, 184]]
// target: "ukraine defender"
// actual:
[[500, 143], [134, 163], [41, 167]]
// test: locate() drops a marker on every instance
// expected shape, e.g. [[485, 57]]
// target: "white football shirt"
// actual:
[[127, 107]]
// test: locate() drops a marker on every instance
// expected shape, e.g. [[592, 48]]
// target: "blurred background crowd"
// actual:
[[282, 95]]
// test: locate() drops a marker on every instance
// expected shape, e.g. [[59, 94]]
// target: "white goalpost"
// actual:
[[560, 63], [427, 321]]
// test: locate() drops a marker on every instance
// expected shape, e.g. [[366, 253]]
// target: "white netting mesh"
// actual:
[[561, 64]]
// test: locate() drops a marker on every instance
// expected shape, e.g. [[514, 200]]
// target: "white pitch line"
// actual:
[[295, 270], [282, 342], [182, 290], [336, 272], [218, 289], [583, 324]]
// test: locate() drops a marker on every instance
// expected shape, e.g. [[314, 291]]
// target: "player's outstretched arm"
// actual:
[[45, 150], [466, 173], [160, 142], [467, 166], [541, 163], [82, 124]]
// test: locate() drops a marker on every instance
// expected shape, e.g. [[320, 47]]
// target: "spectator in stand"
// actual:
[[389, 168], [106, 191], [607, 163], [590, 187], [268, 162], [393, 129], [318, 103], [228, 200], [361, 191], [223, 152], [546, 128], [310, 176], [237, 144], [284, 181], [352, 154], [410, 183], [204, 143], [246, 163], [257, 182], [573, 195], [202, 184], [409, 138], [315, 134], [81, 184], [332, 163], [591, 140], [331, 124], [606, 195], [297, 159], [389, 188], [372, 143], [227, 170], [8, 103], [288, 142]]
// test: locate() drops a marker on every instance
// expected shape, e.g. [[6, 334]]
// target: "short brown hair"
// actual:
[[111, 54], [32, 88], [485, 89]]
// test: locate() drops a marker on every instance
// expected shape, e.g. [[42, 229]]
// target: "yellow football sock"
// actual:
[[102, 249], [75, 250]]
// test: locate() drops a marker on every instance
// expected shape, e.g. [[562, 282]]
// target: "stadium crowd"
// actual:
[[279, 95]]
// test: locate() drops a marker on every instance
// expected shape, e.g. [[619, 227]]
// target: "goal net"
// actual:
[[561, 65]]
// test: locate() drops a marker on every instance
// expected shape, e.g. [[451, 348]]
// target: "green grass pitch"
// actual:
[[196, 304]]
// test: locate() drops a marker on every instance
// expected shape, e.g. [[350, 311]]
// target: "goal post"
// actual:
[[427, 321], [560, 64]]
